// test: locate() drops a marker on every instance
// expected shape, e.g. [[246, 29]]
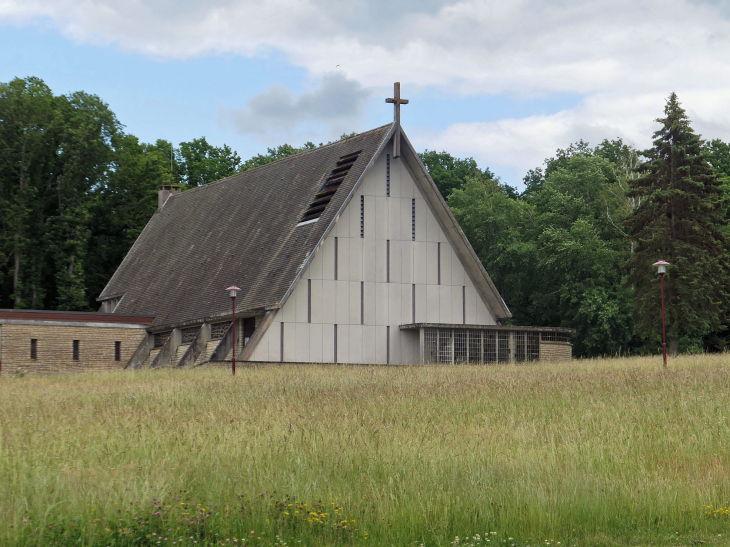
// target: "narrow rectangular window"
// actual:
[[387, 345], [387, 261], [413, 219], [438, 261], [413, 303], [463, 305], [34, 348], [335, 259], [362, 302], [309, 300], [117, 351], [362, 217], [281, 346], [335, 359], [75, 350], [387, 175]]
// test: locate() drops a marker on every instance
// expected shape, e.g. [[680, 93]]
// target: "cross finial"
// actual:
[[397, 101]]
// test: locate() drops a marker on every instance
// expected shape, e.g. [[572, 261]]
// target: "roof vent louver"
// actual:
[[328, 189]]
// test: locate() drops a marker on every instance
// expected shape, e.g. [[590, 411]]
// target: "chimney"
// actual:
[[164, 192]]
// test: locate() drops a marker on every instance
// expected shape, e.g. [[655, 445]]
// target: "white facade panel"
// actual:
[[342, 316], [395, 346], [406, 261], [381, 350], [406, 308], [301, 339], [471, 305], [343, 223], [329, 302], [445, 264], [368, 260], [457, 304], [396, 252], [422, 304], [381, 218], [290, 343], [432, 304], [328, 258], [317, 300], [328, 343], [394, 303], [315, 266], [369, 221], [422, 212], [483, 315], [288, 312], [445, 315], [420, 262], [368, 344], [457, 270], [315, 343], [343, 259], [432, 263], [394, 220], [380, 261], [355, 354], [354, 291], [355, 258], [301, 298], [381, 303], [343, 343]]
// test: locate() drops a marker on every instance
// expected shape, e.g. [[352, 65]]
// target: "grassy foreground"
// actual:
[[603, 452]]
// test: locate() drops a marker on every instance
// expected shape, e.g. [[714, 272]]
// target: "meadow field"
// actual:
[[600, 452]]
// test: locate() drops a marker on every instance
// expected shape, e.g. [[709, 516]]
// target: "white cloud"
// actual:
[[622, 56], [337, 102]]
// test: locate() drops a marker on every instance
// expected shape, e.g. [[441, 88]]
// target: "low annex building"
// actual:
[[344, 254], [64, 341]]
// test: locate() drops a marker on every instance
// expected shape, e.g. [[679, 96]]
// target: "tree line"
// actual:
[[573, 249]]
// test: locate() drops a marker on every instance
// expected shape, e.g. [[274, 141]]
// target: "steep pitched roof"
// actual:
[[240, 230]]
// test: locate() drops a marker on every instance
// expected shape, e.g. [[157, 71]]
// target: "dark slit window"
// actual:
[[34, 348], [249, 326], [75, 350], [117, 351]]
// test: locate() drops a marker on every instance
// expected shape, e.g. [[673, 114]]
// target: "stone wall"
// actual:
[[55, 348], [555, 351]]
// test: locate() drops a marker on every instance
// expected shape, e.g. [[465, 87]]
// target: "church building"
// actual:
[[343, 254]]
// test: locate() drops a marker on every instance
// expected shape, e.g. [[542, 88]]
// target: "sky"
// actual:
[[504, 82]]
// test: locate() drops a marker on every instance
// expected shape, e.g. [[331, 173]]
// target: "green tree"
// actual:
[[448, 172], [681, 218], [200, 163], [273, 154]]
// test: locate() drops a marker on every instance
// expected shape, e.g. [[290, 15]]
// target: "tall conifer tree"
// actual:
[[680, 218]]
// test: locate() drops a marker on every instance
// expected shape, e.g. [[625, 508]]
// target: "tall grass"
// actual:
[[587, 452]]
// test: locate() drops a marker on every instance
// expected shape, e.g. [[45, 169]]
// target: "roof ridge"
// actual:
[[329, 144]]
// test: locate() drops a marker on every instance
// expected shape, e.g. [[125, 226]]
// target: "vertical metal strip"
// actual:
[[438, 261], [335, 359], [335, 259], [309, 300], [362, 302], [387, 345], [387, 261], [413, 303], [281, 342]]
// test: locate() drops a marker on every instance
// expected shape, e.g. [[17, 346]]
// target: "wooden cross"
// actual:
[[397, 101]]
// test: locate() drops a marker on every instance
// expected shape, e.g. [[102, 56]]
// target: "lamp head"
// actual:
[[232, 290], [661, 266]]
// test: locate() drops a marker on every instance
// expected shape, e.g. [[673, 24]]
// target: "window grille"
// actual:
[[387, 175], [533, 346], [490, 346], [460, 346], [330, 186], [430, 345], [413, 219], [362, 217], [475, 346], [520, 346], [219, 330], [75, 350], [502, 347], [188, 335], [554, 337], [445, 346], [117, 351], [34, 348]]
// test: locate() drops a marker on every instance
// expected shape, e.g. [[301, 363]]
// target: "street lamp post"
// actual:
[[232, 291], [662, 267]]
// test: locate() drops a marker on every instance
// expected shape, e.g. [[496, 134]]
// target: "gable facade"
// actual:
[[386, 262]]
